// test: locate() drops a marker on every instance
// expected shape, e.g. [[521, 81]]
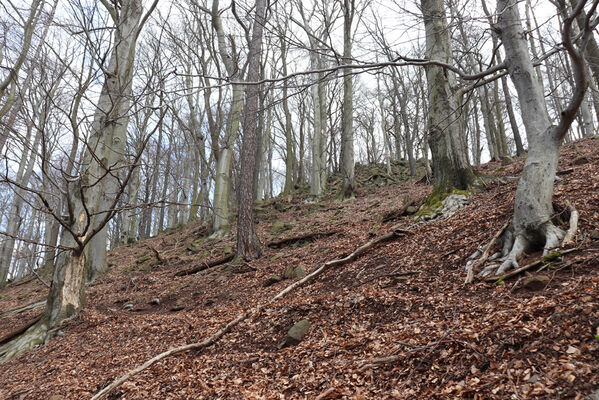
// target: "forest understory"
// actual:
[[397, 322]]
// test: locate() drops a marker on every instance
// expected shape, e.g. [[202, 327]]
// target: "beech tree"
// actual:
[[451, 168], [91, 200], [533, 209]]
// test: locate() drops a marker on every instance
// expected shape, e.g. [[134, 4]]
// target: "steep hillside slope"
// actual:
[[397, 322]]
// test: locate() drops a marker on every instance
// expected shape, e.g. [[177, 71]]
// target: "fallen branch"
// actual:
[[571, 233], [485, 255], [205, 265], [22, 282], [250, 314], [533, 264], [394, 214], [378, 361], [27, 307], [306, 236]]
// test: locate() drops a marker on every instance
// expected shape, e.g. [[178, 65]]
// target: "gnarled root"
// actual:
[[511, 260], [32, 337], [514, 246]]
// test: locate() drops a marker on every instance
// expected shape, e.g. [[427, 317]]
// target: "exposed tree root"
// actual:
[[28, 307], [571, 233], [533, 264], [206, 265], [275, 244], [397, 232], [35, 334], [514, 245], [470, 268], [10, 336]]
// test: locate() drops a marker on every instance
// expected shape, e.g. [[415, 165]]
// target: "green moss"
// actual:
[[279, 227], [193, 247], [143, 259], [551, 256], [434, 202]]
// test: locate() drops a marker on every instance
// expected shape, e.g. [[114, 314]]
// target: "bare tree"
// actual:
[[533, 208]]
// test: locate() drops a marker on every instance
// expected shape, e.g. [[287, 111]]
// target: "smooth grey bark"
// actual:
[[221, 225], [67, 293], [109, 131], [11, 101], [318, 171], [24, 173], [289, 146], [533, 209], [347, 123], [384, 132]]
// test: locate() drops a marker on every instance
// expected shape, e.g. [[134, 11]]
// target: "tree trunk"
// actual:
[[289, 146], [248, 246], [347, 131], [450, 165], [221, 225], [109, 131], [533, 209]]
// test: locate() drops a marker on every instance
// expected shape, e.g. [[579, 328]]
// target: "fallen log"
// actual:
[[275, 244], [206, 265]]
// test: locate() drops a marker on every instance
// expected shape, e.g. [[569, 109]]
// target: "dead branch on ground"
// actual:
[[305, 236], [533, 264], [397, 232], [206, 265]]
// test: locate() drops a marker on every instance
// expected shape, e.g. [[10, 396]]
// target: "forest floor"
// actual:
[[398, 322]]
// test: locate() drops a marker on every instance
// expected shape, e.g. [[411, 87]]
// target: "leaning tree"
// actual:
[[533, 209]]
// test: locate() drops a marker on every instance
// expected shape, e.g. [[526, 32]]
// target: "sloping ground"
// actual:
[[395, 323]]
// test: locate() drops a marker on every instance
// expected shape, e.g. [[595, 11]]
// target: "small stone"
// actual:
[[536, 282], [572, 350], [594, 235], [292, 272], [155, 301], [272, 280], [128, 306], [411, 210], [297, 332]]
